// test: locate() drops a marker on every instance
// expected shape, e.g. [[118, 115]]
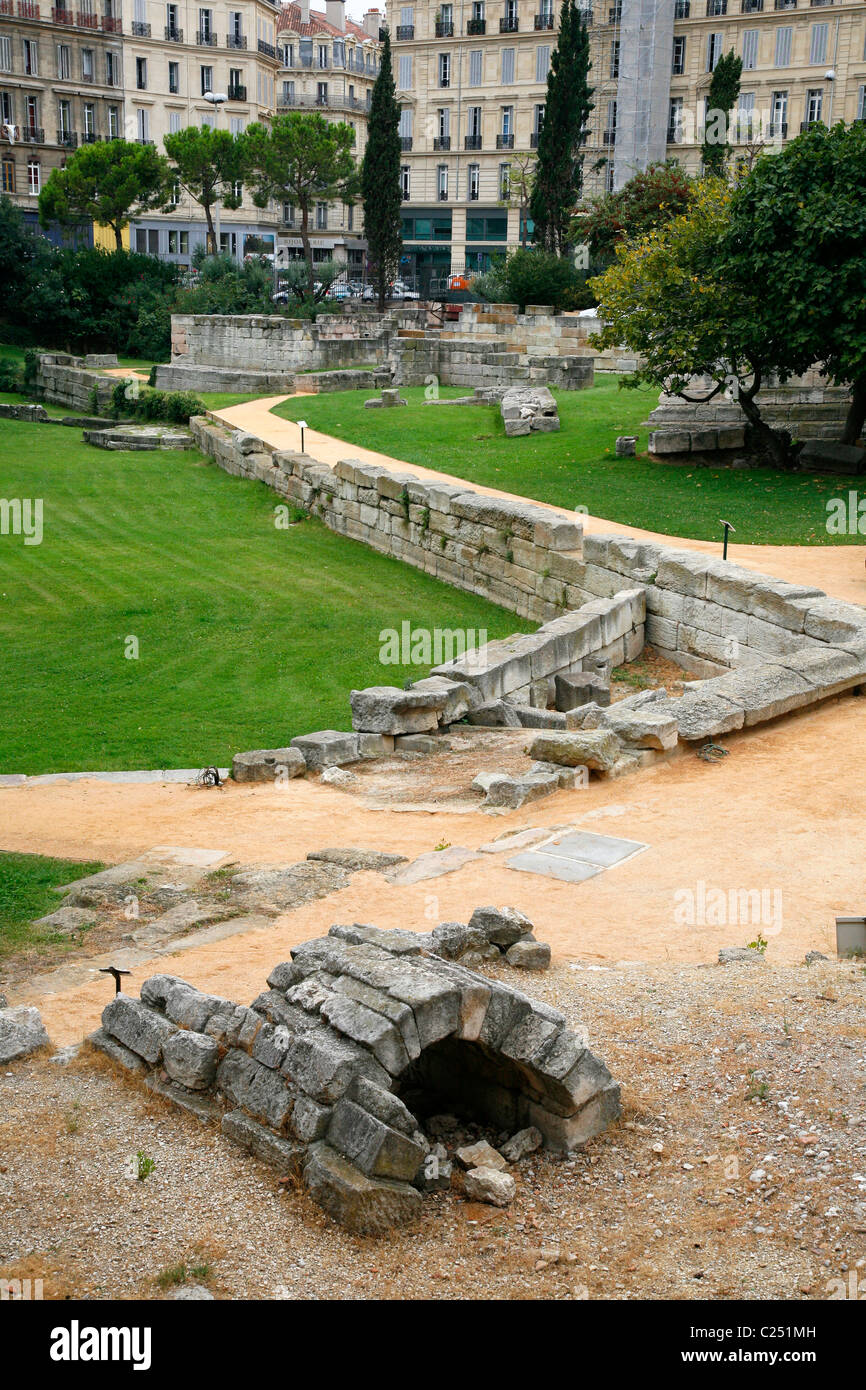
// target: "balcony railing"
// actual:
[[472, 142], [139, 30], [27, 9], [33, 135], [751, 6], [674, 136], [682, 9], [267, 49], [405, 31], [6, 7], [786, 4], [442, 142], [89, 137], [614, 16], [236, 40], [237, 93], [504, 142], [59, 16], [476, 26], [67, 138], [509, 25], [111, 24], [533, 139], [91, 21], [335, 103], [808, 124], [405, 142], [544, 21], [174, 35], [444, 28], [205, 40]]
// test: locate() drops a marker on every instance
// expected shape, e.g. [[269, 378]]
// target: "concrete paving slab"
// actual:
[[569, 870]]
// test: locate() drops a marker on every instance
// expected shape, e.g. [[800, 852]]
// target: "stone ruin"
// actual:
[[333, 1072], [527, 409]]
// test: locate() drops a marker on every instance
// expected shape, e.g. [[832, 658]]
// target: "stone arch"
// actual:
[[359, 1037]]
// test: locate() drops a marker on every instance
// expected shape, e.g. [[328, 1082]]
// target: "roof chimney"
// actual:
[[335, 13], [304, 7], [372, 22]]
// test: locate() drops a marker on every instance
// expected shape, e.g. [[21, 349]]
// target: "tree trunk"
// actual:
[[856, 417], [774, 443], [118, 238], [308, 252], [211, 234]]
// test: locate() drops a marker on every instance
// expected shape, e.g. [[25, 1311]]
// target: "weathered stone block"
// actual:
[[136, 1026], [191, 1059]]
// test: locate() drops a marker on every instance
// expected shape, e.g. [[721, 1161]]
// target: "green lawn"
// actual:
[[578, 468], [247, 634], [27, 882]]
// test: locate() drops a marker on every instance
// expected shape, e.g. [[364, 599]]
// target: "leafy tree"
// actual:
[[699, 333], [532, 276], [798, 230], [301, 159], [559, 171], [380, 179], [721, 98], [107, 183], [652, 197], [225, 287], [209, 165]]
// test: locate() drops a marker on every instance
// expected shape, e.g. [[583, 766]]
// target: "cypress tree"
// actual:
[[723, 93], [380, 179], [559, 173]]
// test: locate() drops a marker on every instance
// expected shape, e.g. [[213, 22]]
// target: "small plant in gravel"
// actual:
[[758, 1090], [144, 1165], [72, 1118], [443, 844], [760, 943]]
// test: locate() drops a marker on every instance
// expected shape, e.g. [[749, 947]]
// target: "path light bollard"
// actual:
[[728, 527], [113, 970], [302, 425], [851, 936]]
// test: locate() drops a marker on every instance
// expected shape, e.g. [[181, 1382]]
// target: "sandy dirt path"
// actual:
[[800, 839], [838, 570]]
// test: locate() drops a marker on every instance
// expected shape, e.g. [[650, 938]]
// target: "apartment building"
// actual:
[[472, 76], [328, 64], [61, 86], [173, 55]]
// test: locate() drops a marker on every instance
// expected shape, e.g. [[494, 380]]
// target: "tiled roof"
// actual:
[[290, 21]]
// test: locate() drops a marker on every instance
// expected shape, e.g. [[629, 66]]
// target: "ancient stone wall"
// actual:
[[765, 645], [311, 1077], [64, 380]]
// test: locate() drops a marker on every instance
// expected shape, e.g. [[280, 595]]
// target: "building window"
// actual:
[[64, 119], [614, 58], [32, 107], [204, 26], [715, 44], [8, 174], [675, 121], [818, 44], [288, 94], [681, 9], [5, 53], [750, 50], [322, 55], [31, 58], [507, 121], [63, 64], [89, 119], [141, 74], [504, 182], [87, 64], [507, 66], [34, 178], [542, 62], [206, 80], [861, 104], [321, 217], [716, 7], [784, 39], [404, 69], [404, 182], [321, 93], [442, 183], [444, 69], [143, 125], [174, 77], [289, 214], [814, 104], [678, 66], [113, 122], [350, 218], [173, 122], [779, 120], [473, 180], [476, 59]]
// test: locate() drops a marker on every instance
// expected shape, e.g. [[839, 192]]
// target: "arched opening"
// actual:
[[472, 1082]]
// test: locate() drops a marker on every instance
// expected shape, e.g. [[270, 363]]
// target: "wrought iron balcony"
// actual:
[[444, 29], [544, 21], [476, 26], [236, 40], [205, 40], [111, 24], [140, 31], [442, 142], [608, 137], [505, 142], [472, 142], [509, 25], [236, 93], [27, 9], [174, 35], [405, 31], [33, 135], [90, 137], [267, 49], [405, 142], [91, 21], [67, 138], [60, 16], [533, 139]]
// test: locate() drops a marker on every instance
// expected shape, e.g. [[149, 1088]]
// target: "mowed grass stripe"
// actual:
[[247, 634]]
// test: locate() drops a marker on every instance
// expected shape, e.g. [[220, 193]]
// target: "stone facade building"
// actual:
[[328, 64], [61, 86]]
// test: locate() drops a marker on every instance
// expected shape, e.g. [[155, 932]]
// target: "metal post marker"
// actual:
[[113, 970], [302, 425], [728, 527]]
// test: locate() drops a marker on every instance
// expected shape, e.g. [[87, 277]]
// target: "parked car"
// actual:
[[400, 290]]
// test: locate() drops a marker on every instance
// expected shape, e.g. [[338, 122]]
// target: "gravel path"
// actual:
[[738, 1170]]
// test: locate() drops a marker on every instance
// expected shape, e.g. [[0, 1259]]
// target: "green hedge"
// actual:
[[173, 407]]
